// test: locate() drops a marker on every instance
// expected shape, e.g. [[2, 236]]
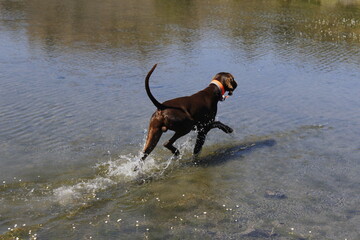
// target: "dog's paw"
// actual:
[[177, 153], [228, 129]]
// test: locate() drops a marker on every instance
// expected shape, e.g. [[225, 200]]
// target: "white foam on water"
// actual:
[[120, 170], [123, 167], [115, 171], [69, 194]]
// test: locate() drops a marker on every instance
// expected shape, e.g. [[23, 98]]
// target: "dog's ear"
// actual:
[[229, 83]]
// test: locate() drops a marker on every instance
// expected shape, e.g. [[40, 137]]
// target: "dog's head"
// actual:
[[227, 80]]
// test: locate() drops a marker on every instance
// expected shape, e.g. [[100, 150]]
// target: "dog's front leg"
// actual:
[[200, 140], [223, 127]]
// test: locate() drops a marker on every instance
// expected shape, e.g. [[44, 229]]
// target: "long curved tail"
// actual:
[[157, 104], [152, 98]]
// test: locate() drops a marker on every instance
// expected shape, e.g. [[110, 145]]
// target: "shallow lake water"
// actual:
[[74, 116]]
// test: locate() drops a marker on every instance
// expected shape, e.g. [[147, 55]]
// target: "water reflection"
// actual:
[[138, 24]]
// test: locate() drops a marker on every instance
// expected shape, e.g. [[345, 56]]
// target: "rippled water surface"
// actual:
[[74, 116]]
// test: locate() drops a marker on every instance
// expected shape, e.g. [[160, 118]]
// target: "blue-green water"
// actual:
[[74, 116]]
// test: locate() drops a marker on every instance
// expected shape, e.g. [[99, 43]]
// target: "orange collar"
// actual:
[[219, 85]]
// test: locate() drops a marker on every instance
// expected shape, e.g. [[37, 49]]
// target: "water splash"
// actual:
[[84, 189], [121, 170]]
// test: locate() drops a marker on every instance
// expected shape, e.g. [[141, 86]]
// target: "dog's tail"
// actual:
[[160, 106], [152, 98]]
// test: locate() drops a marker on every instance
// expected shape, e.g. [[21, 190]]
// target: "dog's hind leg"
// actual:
[[169, 144], [151, 141]]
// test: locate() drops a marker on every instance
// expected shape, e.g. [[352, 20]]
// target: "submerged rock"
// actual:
[[274, 194]]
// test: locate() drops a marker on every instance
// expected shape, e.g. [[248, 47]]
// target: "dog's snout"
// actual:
[[234, 84]]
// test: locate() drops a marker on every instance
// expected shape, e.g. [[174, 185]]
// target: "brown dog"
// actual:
[[183, 114]]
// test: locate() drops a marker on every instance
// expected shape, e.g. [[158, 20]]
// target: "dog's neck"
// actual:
[[221, 88]]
